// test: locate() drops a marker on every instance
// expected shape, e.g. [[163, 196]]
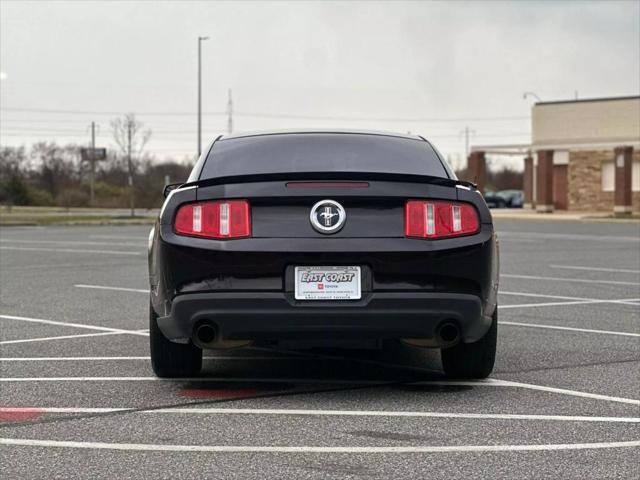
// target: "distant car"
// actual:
[[513, 198], [494, 200], [296, 240]]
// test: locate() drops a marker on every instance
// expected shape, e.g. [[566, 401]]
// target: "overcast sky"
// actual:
[[426, 67]]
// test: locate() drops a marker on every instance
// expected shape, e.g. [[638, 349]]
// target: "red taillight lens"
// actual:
[[220, 219], [439, 219]]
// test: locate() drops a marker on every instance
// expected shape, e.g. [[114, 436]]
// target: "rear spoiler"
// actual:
[[269, 177]]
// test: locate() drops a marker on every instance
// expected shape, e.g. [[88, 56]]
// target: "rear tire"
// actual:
[[472, 360], [169, 359]]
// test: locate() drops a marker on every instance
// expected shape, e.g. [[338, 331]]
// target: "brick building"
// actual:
[[584, 155]]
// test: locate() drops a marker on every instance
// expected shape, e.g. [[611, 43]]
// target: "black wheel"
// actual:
[[169, 359], [472, 360]]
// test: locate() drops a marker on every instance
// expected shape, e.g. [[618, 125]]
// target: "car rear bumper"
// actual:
[[278, 316]]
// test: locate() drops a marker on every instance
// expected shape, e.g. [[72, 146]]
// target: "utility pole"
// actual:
[[92, 163], [200, 40], [229, 113], [130, 165], [467, 132]]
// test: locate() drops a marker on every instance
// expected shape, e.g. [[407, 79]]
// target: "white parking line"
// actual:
[[309, 449], [595, 269], [69, 324], [569, 280], [568, 236], [119, 289], [470, 383], [100, 359], [329, 413], [562, 297], [71, 250], [61, 337], [119, 237], [310, 381], [544, 295], [22, 266], [564, 391], [141, 244], [572, 329], [552, 304]]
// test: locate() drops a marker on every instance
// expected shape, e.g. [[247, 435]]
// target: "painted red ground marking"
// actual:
[[218, 393], [18, 414]]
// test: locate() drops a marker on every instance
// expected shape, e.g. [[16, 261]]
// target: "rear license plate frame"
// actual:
[[327, 282]]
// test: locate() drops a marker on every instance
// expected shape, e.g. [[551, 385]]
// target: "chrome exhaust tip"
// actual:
[[448, 333], [206, 334]]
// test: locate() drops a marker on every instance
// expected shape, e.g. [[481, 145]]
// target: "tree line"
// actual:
[[50, 174]]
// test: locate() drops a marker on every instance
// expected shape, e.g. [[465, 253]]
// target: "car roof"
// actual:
[[320, 131]]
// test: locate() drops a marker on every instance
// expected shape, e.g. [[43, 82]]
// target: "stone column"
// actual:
[[622, 197], [544, 178], [477, 169], [527, 186]]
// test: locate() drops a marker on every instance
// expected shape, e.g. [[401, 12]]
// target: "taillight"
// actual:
[[439, 219], [219, 219]]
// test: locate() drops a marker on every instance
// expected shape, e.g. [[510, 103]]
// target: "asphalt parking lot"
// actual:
[[78, 398]]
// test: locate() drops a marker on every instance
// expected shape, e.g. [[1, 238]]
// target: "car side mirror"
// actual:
[[170, 188]]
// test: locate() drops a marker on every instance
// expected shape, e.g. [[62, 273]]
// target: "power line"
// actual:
[[52, 135], [159, 125], [43, 130], [102, 112], [278, 115], [44, 122], [380, 119], [32, 121], [19, 132], [71, 130]]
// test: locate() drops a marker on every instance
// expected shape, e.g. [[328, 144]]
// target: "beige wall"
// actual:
[[586, 122], [585, 181]]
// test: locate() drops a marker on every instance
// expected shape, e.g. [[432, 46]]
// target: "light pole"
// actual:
[[531, 94], [200, 39]]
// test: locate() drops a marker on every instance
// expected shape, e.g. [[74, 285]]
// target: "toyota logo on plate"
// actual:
[[327, 216]]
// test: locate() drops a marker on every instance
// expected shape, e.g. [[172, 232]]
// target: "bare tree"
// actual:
[[131, 137], [13, 160], [13, 189], [57, 166]]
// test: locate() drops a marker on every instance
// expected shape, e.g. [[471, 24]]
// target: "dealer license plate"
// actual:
[[327, 283]]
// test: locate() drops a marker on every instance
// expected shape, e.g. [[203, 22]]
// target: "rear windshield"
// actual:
[[321, 152]]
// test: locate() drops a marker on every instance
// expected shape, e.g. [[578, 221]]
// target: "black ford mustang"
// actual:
[[306, 239]]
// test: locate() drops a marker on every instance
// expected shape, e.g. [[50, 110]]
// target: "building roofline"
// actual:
[[587, 100], [523, 148]]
